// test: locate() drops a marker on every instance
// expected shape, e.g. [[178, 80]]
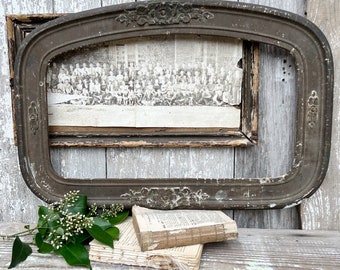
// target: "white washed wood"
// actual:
[[273, 156], [28, 6], [201, 163], [79, 162], [165, 163], [17, 201], [322, 210], [254, 249], [85, 162], [115, 2], [20, 204], [75, 162], [295, 6], [138, 163], [71, 6], [274, 153]]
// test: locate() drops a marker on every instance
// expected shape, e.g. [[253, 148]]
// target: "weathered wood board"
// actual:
[[275, 249], [18, 202], [254, 249], [272, 157], [260, 161], [322, 210]]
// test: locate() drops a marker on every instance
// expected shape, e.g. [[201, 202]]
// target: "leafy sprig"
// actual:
[[65, 227]]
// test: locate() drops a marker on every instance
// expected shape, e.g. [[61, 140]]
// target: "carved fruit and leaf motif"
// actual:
[[313, 109], [33, 117], [166, 198], [164, 13]]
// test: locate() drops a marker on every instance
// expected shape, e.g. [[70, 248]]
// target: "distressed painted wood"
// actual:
[[79, 163], [115, 2], [322, 210], [74, 5], [17, 201], [138, 163], [20, 204], [201, 163], [254, 249], [28, 6], [273, 156], [275, 249], [90, 163]]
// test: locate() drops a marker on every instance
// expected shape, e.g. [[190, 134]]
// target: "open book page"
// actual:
[[127, 251]]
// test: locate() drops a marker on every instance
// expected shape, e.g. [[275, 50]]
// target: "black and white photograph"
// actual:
[[174, 81]]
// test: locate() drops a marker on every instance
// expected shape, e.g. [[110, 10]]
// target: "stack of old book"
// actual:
[[165, 239]]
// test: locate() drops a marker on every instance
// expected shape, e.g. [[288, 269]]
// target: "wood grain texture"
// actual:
[[114, 2], [138, 163], [202, 163], [76, 162], [274, 249], [28, 6], [298, 6], [254, 249], [71, 6], [273, 156], [17, 201], [322, 210], [80, 163]]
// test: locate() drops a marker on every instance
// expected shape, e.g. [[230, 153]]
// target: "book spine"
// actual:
[[182, 237]]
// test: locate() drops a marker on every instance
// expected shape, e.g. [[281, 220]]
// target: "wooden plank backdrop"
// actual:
[[322, 211], [254, 249], [272, 157]]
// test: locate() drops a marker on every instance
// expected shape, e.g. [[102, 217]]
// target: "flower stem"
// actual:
[[23, 233]]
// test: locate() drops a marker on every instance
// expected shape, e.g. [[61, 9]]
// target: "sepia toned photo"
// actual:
[[159, 81]]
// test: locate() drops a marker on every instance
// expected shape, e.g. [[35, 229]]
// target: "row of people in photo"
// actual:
[[165, 90]]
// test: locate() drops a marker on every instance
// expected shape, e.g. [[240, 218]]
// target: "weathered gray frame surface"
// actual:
[[249, 22]]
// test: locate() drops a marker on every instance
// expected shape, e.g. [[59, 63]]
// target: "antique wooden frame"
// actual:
[[249, 22], [19, 26]]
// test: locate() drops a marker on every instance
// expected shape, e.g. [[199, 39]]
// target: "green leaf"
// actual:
[[43, 247], [20, 252], [47, 218], [119, 218], [102, 223], [114, 232], [83, 238], [42, 211], [79, 206], [100, 235], [75, 254]]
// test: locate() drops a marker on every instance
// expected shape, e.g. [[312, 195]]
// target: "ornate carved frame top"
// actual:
[[248, 22]]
